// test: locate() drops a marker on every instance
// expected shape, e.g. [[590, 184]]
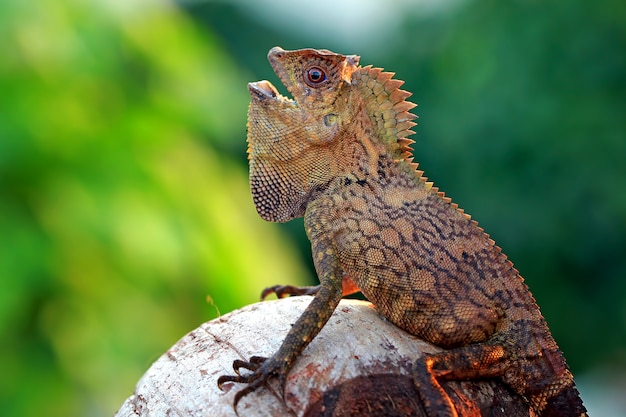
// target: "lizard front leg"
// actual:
[[282, 291], [303, 331]]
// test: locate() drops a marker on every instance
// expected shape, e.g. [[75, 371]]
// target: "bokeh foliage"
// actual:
[[118, 214], [125, 217]]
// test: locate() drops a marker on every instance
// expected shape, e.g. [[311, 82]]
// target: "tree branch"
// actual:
[[359, 364]]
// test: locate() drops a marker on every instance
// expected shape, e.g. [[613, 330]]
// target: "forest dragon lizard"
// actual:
[[338, 154]]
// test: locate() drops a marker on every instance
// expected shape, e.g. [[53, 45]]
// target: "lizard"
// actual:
[[338, 153]]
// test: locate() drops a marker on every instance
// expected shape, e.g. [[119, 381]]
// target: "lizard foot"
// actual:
[[283, 291], [262, 369]]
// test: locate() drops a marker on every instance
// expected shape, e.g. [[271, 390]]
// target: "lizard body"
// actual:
[[338, 154]]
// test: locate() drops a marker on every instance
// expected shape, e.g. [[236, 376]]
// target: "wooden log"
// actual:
[[359, 364]]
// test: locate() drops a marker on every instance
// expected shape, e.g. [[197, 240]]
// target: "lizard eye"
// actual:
[[315, 76]]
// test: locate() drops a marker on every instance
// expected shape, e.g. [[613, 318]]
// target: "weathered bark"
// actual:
[[359, 364]]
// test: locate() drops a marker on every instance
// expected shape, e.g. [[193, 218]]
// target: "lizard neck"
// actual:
[[371, 160], [382, 172]]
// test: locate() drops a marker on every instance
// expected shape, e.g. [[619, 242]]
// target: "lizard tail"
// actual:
[[564, 403]]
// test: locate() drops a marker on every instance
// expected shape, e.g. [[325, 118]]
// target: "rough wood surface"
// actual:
[[358, 365]]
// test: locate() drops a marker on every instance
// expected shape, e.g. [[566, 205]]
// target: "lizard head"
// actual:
[[286, 136], [298, 145]]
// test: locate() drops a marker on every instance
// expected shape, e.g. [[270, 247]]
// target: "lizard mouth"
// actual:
[[264, 90]]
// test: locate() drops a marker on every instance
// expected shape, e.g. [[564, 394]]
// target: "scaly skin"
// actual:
[[338, 155]]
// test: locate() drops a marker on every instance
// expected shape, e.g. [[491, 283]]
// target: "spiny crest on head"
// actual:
[[388, 109]]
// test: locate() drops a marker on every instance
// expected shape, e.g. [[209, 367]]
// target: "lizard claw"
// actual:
[[283, 291], [262, 369], [252, 365]]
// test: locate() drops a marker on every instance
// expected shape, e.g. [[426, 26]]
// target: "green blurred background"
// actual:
[[125, 214]]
